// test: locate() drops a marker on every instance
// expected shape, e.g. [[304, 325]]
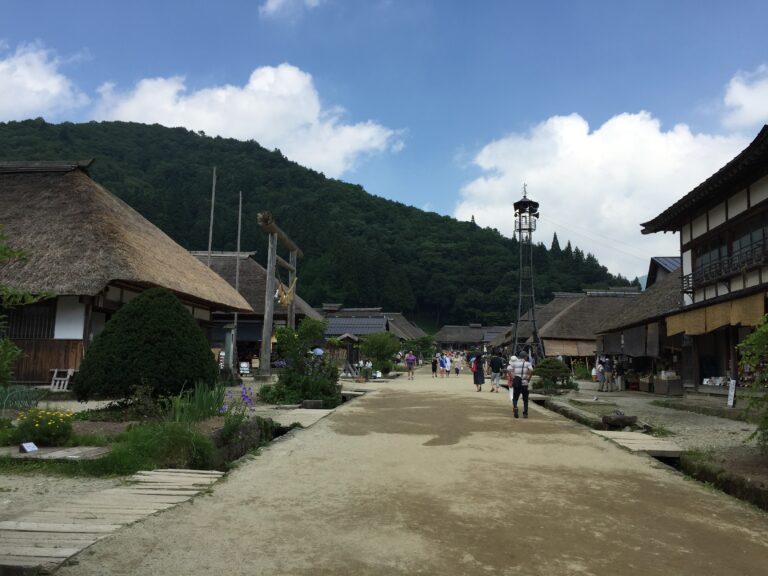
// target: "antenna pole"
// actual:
[[210, 227]]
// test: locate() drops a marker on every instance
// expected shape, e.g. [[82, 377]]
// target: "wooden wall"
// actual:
[[39, 356]]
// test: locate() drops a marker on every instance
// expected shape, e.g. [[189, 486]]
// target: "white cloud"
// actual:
[[746, 99], [596, 187], [278, 107], [291, 8], [32, 85]]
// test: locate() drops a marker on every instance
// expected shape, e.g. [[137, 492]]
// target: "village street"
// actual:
[[430, 477]]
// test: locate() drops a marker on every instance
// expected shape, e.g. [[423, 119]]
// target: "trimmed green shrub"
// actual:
[[152, 341], [552, 373]]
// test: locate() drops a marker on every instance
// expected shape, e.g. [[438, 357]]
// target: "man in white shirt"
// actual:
[[520, 371]]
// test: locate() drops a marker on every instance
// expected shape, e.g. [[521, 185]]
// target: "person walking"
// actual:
[[410, 361], [434, 366], [447, 364], [600, 377], [458, 364], [521, 371], [478, 376], [441, 364], [495, 366]]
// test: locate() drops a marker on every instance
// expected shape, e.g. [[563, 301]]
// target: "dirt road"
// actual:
[[430, 477]]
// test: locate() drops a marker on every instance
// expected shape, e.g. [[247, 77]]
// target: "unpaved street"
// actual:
[[430, 477]]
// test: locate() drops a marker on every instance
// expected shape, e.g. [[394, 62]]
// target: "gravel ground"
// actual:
[[690, 430]]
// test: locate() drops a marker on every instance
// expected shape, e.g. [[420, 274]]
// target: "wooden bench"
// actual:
[[61, 378]]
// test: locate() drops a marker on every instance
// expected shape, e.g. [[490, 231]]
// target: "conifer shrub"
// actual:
[[154, 342], [552, 373]]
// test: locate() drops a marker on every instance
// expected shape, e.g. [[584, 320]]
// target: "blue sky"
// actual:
[[609, 110]]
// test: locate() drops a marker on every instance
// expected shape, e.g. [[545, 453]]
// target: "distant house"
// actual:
[[472, 336], [660, 267], [94, 253], [639, 331], [723, 230], [252, 286], [568, 325], [359, 322]]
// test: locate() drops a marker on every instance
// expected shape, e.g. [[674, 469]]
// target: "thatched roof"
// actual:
[[545, 313], [661, 299], [355, 325], [584, 317], [78, 237], [473, 334], [253, 282], [403, 328]]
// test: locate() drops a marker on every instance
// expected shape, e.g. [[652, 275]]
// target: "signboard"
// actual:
[[731, 393], [27, 447]]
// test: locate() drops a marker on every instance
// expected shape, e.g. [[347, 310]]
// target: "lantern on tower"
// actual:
[[527, 343]]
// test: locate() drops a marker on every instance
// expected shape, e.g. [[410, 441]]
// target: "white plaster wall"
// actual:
[[717, 216], [737, 203], [687, 300], [202, 314], [758, 192], [699, 226], [687, 262], [698, 295], [70, 319], [737, 283], [753, 278], [722, 288], [710, 292], [686, 233]]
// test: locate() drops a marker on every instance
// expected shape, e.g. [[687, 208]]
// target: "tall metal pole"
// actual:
[[210, 227], [269, 309], [237, 276], [291, 280]]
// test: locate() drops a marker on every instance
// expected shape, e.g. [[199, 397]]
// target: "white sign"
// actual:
[[27, 447], [731, 393]]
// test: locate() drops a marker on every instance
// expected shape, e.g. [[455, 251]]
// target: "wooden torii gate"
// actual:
[[267, 223]]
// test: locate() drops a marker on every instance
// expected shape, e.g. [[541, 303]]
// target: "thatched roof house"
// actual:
[[573, 331], [362, 321], [640, 330], [465, 337], [252, 282], [403, 328], [94, 252]]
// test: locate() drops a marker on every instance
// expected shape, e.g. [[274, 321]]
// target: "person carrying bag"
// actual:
[[520, 371]]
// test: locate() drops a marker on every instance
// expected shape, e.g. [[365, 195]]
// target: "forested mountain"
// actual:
[[359, 249]]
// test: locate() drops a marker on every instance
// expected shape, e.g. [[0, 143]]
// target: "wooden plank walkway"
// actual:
[[45, 539], [639, 442]]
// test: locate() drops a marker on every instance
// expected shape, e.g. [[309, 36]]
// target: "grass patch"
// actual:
[[144, 447], [659, 431]]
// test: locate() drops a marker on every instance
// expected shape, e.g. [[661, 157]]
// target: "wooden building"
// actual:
[[252, 282], [471, 337], [92, 252], [723, 228]]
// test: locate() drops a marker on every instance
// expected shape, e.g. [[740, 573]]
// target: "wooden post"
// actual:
[[269, 309], [291, 280]]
